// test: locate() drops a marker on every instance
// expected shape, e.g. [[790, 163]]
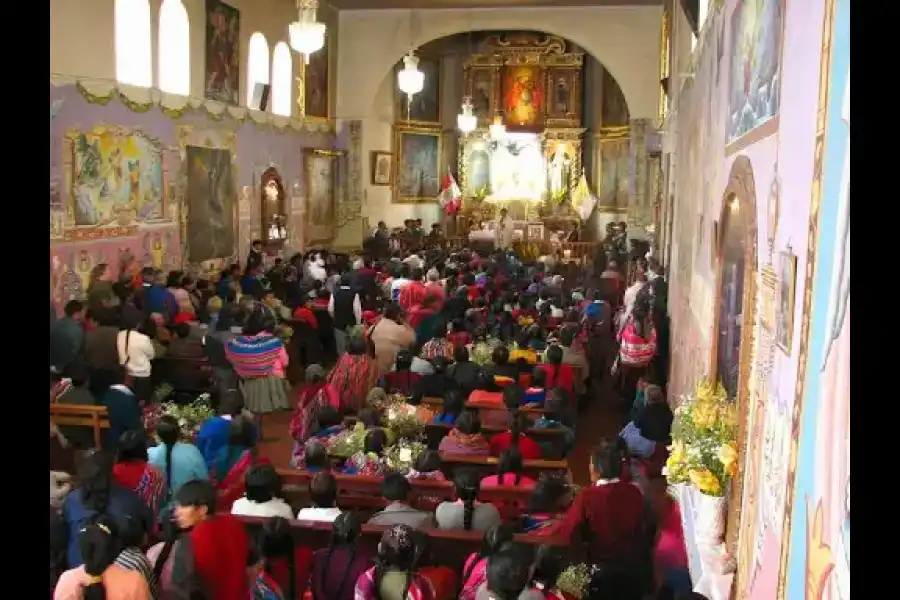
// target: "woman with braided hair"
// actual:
[[334, 570], [394, 575], [466, 512]]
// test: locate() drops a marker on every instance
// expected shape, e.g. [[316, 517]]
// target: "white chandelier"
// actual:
[[466, 120], [497, 128], [410, 79], [307, 35]]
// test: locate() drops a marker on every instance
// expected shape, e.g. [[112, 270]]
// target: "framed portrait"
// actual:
[[535, 231], [417, 165], [563, 94], [321, 171], [382, 167], [423, 108], [315, 84], [787, 289], [523, 96], [481, 87], [223, 42]]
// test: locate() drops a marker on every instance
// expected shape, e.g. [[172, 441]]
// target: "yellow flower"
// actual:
[[729, 415], [728, 457], [705, 481], [703, 415], [676, 451]]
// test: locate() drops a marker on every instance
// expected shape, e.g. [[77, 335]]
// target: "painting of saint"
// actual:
[[115, 171], [478, 175], [321, 184], [210, 202], [223, 70], [614, 159], [423, 107], [613, 107], [482, 93], [315, 84], [522, 96], [561, 96], [755, 87], [418, 166]]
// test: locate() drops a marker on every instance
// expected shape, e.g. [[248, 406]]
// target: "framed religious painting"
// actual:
[[423, 108], [523, 97], [481, 86], [321, 171], [417, 165], [223, 41], [564, 95], [315, 85], [787, 291], [382, 167]]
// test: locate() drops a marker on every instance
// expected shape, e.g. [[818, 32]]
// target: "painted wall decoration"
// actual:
[[316, 102], [754, 93], [210, 203], [151, 241], [817, 566], [523, 96], [114, 178], [223, 44], [425, 107]]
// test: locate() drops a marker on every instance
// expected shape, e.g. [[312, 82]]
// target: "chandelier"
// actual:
[[410, 79], [307, 35], [466, 120], [497, 128]]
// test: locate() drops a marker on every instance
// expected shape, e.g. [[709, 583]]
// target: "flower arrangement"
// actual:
[[191, 416], [482, 351], [400, 418], [574, 580], [401, 457], [704, 440], [349, 442]]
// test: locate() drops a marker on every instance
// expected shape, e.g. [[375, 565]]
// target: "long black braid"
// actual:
[[168, 431], [275, 541], [344, 533], [467, 485]]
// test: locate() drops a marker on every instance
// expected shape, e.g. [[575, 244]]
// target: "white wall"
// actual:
[[82, 36]]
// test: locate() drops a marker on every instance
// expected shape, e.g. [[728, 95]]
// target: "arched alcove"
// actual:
[[736, 310]]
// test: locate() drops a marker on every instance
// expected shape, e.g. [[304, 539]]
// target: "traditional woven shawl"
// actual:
[[253, 355]]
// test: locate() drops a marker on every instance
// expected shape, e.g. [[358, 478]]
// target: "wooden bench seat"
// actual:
[[81, 415], [488, 465], [555, 437], [445, 547], [437, 404]]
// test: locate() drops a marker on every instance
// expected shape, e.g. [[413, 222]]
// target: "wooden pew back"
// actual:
[[81, 415]]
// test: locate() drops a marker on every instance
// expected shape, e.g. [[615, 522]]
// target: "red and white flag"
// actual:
[[450, 195]]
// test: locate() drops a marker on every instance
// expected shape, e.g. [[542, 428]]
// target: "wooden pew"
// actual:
[[437, 404], [488, 465], [446, 547], [81, 415], [555, 437]]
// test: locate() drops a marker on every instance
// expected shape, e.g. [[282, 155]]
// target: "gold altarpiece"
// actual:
[[532, 84]]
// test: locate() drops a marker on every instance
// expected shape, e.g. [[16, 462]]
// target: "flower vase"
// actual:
[[710, 518]]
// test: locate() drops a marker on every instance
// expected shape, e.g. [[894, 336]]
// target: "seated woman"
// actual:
[[427, 466], [233, 462], [509, 471], [327, 425], [314, 397], [466, 437], [262, 585], [512, 398], [336, 569], [133, 471], [452, 408], [459, 337], [316, 457], [263, 496], [544, 505], [213, 434], [355, 373], [178, 461], [558, 374], [557, 415], [287, 564], [133, 539], [371, 460], [438, 344], [96, 493], [536, 394], [99, 576], [394, 575], [463, 373], [466, 512], [500, 368], [474, 573], [434, 384], [402, 380]]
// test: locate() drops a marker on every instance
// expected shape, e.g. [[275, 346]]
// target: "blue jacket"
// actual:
[[124, 414], [158, 299], [122, 502]]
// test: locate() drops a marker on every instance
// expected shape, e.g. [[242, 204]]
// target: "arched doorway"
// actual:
[[733, 329]]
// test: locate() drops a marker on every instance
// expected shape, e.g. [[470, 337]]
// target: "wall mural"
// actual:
[[818, 564], [129, 165], [210, 203]]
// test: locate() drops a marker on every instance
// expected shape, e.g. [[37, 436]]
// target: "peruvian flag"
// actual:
[[450, 195]]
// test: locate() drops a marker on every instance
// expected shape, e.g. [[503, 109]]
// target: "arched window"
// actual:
[[134, 59], [257, 63], [281, 79], [174, 48]]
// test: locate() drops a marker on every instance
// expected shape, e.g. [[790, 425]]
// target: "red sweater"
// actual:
[[528, 447], [614, 512], [562, 376], [220, 547]]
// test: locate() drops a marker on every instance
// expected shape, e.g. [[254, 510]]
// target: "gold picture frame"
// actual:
[[417, 168], [379, 173], [787, 291], [321, 195], [424, 108]]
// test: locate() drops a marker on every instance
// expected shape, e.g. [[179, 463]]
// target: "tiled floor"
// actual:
[[598, 420]]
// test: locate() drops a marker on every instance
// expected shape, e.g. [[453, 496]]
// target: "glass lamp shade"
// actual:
[[465, 120], [307, 37], [411, 80], [497, 129]]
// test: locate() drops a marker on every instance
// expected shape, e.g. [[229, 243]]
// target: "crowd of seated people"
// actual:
[[549, 351]]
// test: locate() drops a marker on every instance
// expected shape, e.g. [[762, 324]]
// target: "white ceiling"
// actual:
[[423, 4]]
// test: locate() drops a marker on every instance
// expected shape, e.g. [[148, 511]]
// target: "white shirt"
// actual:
[[276, 507], [317, 270], [504, 232], [357, 305], [325, 515], [397, 285], [138, 354]]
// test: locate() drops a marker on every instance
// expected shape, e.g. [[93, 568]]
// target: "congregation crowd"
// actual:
[[484, 351]]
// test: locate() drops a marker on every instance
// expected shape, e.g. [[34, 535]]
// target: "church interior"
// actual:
[[183, 130]]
